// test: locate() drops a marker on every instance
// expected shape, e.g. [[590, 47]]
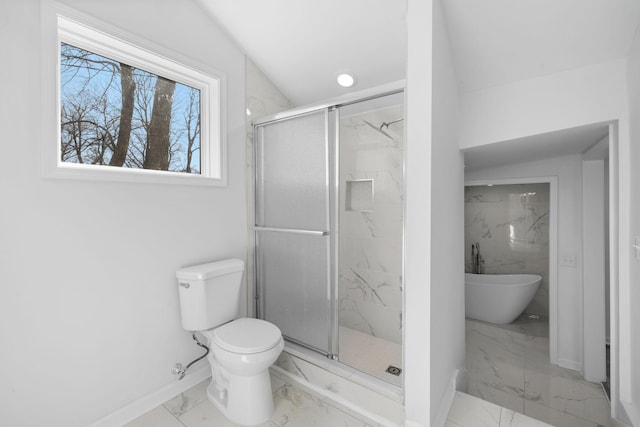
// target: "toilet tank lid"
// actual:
[[210, 269]]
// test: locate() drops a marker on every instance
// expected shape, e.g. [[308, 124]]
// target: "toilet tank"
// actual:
[[209, 293]]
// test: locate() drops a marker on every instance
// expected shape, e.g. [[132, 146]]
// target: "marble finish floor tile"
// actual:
[[293, 407], [558, 418], [530, 326], [575, 397], [495, 364], [514, 371], [467, 410], [187, 400], [497, 394], [516, 419], [470, 411], [155, 418], [205, 414]]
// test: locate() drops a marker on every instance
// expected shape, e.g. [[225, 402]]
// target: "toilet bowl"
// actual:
[[240, 353], [240, 349]]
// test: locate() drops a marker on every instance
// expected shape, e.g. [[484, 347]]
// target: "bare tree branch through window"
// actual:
[[114, 114]]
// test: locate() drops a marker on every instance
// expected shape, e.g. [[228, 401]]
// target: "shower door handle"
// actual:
[[292, 230]]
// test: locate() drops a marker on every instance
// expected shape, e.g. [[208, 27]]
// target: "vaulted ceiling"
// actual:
[[303, 45]]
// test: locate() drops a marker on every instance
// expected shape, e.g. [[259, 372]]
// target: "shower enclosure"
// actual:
[[329, 230]]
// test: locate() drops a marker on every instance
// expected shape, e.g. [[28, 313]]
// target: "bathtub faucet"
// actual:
[[476, 259]]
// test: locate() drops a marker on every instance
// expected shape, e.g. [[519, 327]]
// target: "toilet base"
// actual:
[[244, 400]]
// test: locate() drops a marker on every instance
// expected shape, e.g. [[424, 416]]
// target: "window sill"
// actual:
[[118, 174]]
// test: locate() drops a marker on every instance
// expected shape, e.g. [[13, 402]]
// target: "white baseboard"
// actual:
[[143, 405], [632, 412], [570, 364], [445, 403], [616, 423], [462, 380]]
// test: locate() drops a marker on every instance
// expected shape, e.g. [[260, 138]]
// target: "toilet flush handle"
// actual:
[[184, 285]]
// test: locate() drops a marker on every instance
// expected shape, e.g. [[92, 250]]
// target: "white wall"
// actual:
[[417, 294], [632, 379], [559, 101], [434, 298], [447, 230], [89, 306], [568, 169], [593, 270]]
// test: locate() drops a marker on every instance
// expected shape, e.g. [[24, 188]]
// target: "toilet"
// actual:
[[240, 349]]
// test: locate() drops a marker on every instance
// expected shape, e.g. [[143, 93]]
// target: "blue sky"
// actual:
[[81, 83]]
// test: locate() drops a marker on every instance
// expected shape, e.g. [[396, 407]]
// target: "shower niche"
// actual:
[[359, 195], [329, 230]]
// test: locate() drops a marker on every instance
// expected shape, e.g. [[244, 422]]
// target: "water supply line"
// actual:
[[182, 371]]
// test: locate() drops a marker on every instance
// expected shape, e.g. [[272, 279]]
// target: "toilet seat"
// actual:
[[247, 336]]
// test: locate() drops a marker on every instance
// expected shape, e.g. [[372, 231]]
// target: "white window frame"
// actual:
[[114, 44]]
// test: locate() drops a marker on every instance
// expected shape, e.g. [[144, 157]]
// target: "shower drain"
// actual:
[[394, 370]]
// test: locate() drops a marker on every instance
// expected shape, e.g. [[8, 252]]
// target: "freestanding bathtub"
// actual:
[[498, 298]]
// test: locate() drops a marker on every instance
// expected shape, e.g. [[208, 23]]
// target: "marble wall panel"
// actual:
[[511, 224], [351, 387], [370, 266]]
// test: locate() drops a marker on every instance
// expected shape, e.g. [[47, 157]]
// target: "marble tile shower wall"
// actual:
[[370, 270], [511, 224]]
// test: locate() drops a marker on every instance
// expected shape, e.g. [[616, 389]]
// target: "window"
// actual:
[[127, 113]]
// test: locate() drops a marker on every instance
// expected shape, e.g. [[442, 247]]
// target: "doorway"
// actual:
[[573, 293]]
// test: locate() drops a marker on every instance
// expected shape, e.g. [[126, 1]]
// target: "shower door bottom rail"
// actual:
[[292, 230], [310, 347]]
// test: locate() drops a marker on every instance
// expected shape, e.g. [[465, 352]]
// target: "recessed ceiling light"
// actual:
[[346, 80]]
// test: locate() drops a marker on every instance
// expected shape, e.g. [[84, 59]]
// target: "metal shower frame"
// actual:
[[332, 139]]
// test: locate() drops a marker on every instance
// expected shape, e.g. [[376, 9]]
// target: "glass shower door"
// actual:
[[293, 242]]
